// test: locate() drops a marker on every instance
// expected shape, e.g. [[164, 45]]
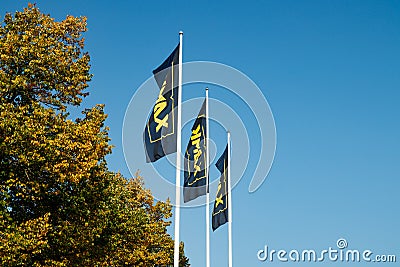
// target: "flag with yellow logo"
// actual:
[[220, 211], [160, 132], [195, 173]]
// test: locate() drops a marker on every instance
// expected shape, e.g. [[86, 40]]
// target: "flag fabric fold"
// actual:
[[220, 211], [160, 131], [195, 172]]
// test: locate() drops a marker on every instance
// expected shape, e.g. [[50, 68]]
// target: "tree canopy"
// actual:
[[60, 204]]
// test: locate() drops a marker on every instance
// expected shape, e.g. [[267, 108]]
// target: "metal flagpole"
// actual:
[[229, 201], [207, 191], [178, 159]]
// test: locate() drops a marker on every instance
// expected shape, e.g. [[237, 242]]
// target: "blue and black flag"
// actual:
[[220, 212], [160, 132], [195, 183]]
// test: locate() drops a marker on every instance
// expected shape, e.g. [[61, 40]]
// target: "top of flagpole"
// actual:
[[180, 32], [206, 88]]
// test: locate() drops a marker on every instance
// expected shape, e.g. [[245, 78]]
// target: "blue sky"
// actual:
[[330, 71]]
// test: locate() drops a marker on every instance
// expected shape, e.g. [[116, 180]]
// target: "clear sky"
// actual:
[[330, 71]]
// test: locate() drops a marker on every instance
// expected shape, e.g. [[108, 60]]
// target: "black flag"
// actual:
[[160, 132], [195, 183], [220, 212]]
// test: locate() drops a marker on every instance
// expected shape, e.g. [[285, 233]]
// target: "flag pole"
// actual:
[[207, 189], [178, 158], [229, 201]]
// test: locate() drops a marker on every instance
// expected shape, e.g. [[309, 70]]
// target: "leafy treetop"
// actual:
[[43, 60]]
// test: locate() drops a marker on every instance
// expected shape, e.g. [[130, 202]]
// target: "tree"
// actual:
[[60, 205]]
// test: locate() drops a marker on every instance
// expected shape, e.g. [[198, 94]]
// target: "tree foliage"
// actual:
[[60, 205], [42, 60]]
